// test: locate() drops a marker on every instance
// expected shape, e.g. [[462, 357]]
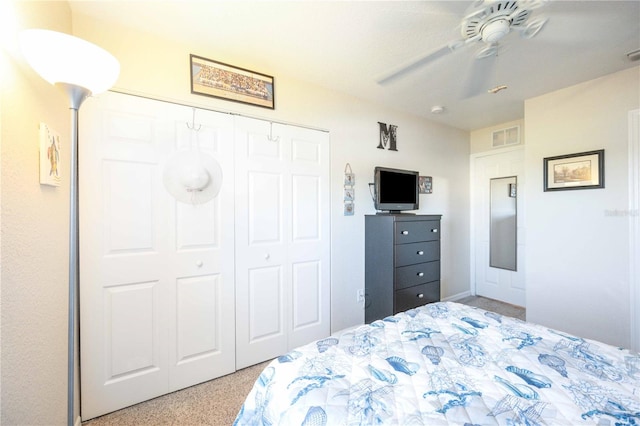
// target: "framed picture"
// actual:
[[219, 80], [425, 184], [584, 170], [50, 148]]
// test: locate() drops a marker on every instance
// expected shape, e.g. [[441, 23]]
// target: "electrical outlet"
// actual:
[[360, 295]]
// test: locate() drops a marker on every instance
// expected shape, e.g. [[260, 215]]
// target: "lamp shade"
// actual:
[[62, 58]]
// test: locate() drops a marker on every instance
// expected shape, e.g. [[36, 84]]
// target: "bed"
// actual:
[[447, 363]]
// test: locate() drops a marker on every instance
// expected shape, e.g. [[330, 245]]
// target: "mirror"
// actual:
[[503, 226]]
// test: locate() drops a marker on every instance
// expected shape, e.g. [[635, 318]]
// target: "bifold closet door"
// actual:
[[156, 275], [282, 239]]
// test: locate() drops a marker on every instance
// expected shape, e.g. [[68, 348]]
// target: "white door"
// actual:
[[496, 283], [156, 276], [282, 239]]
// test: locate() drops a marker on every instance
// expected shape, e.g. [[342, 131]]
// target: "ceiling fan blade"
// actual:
[[413, 65], [479, 80]]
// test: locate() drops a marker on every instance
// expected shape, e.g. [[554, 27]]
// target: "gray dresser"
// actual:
[[402, 263]]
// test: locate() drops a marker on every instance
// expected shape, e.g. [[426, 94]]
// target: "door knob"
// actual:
[[420, 296], [420, 253], [405, 232], [421, 274]]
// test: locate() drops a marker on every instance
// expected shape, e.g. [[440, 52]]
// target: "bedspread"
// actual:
[[447, 363]]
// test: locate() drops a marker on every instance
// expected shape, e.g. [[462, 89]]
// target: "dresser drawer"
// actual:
[[419, 295], [408, 276], [408, 254], [411, 232]]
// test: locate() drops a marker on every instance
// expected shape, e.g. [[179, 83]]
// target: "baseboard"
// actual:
[[78, 421], [457, 296]]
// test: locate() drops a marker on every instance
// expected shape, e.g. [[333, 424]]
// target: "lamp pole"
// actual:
[[77, 95]]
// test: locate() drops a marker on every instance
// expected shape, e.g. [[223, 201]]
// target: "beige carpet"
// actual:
[[217, 402]]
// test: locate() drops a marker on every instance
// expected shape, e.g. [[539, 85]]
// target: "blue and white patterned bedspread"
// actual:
[[446, 363]]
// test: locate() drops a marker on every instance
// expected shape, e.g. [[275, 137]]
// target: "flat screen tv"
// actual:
[[396, 190]]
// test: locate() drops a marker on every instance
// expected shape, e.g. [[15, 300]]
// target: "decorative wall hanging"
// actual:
[[388, 136], [584, 170], [425, 184], [219, 80], [50, 173], [192, 176], [349, 191]]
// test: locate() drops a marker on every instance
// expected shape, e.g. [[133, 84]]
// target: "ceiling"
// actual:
[[349, 46]]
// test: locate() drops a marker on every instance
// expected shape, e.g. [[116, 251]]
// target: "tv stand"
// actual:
[[402, 263]]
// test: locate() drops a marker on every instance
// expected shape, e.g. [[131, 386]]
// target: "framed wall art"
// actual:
[[50, 148], [224, 81], [425, 184], [584, 170]]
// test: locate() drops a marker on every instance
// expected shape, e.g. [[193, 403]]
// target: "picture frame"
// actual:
[[50, 148], [583, 170], [425, 184], [224, 81]]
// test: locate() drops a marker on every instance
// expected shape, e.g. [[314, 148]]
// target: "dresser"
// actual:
[[402, 263]]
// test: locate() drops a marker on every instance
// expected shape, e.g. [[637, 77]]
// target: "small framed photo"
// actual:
[[584, 170], [349, 194], [349, 179], [349, 209], [50, 173], [224, 81], [425, 184]]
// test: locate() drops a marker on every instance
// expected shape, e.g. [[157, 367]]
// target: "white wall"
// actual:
[[34, 234], [159, 68], [577, 267]]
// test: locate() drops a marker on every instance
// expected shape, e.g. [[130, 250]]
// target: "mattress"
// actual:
[[447, 363]]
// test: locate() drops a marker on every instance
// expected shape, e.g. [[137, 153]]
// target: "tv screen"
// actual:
[[396, 190]]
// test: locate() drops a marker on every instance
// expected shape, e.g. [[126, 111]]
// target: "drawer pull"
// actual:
[[435, 230], [421, 274], [405, 232], [420, 296], [420, 253]]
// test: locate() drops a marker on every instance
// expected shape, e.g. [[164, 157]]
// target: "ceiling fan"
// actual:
[[488, 22]]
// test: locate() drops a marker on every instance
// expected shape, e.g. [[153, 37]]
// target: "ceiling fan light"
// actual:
[[495, 30]]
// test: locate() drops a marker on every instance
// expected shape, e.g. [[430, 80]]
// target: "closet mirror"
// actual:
[[503, 226]]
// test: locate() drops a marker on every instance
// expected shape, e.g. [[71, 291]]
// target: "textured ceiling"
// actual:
[[349, 45]]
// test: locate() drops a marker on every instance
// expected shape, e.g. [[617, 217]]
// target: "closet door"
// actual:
[[156, 276], [282, 239]]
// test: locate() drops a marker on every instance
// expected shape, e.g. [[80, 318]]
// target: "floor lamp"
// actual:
[[80, 69]]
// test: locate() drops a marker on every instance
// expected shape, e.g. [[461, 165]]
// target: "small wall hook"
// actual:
[[192, 126], [270, 137]]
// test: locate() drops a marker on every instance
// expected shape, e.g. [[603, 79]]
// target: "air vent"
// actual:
[[506, 137]]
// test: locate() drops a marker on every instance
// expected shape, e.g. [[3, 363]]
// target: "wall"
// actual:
[[34, 232], [158, 68], [577, 267]]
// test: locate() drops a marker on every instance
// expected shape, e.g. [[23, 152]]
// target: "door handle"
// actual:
[[420, 296], [434, 230], [421, 274], [405, 232], [420, 253]]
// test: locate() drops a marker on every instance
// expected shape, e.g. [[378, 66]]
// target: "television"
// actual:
[[396, 190]]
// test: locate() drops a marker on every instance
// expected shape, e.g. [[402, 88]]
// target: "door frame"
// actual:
[[634, 226], [472, 208]]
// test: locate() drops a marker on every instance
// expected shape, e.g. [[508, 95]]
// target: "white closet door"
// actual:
[[282, 239], [156, 276], [495, 283]]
